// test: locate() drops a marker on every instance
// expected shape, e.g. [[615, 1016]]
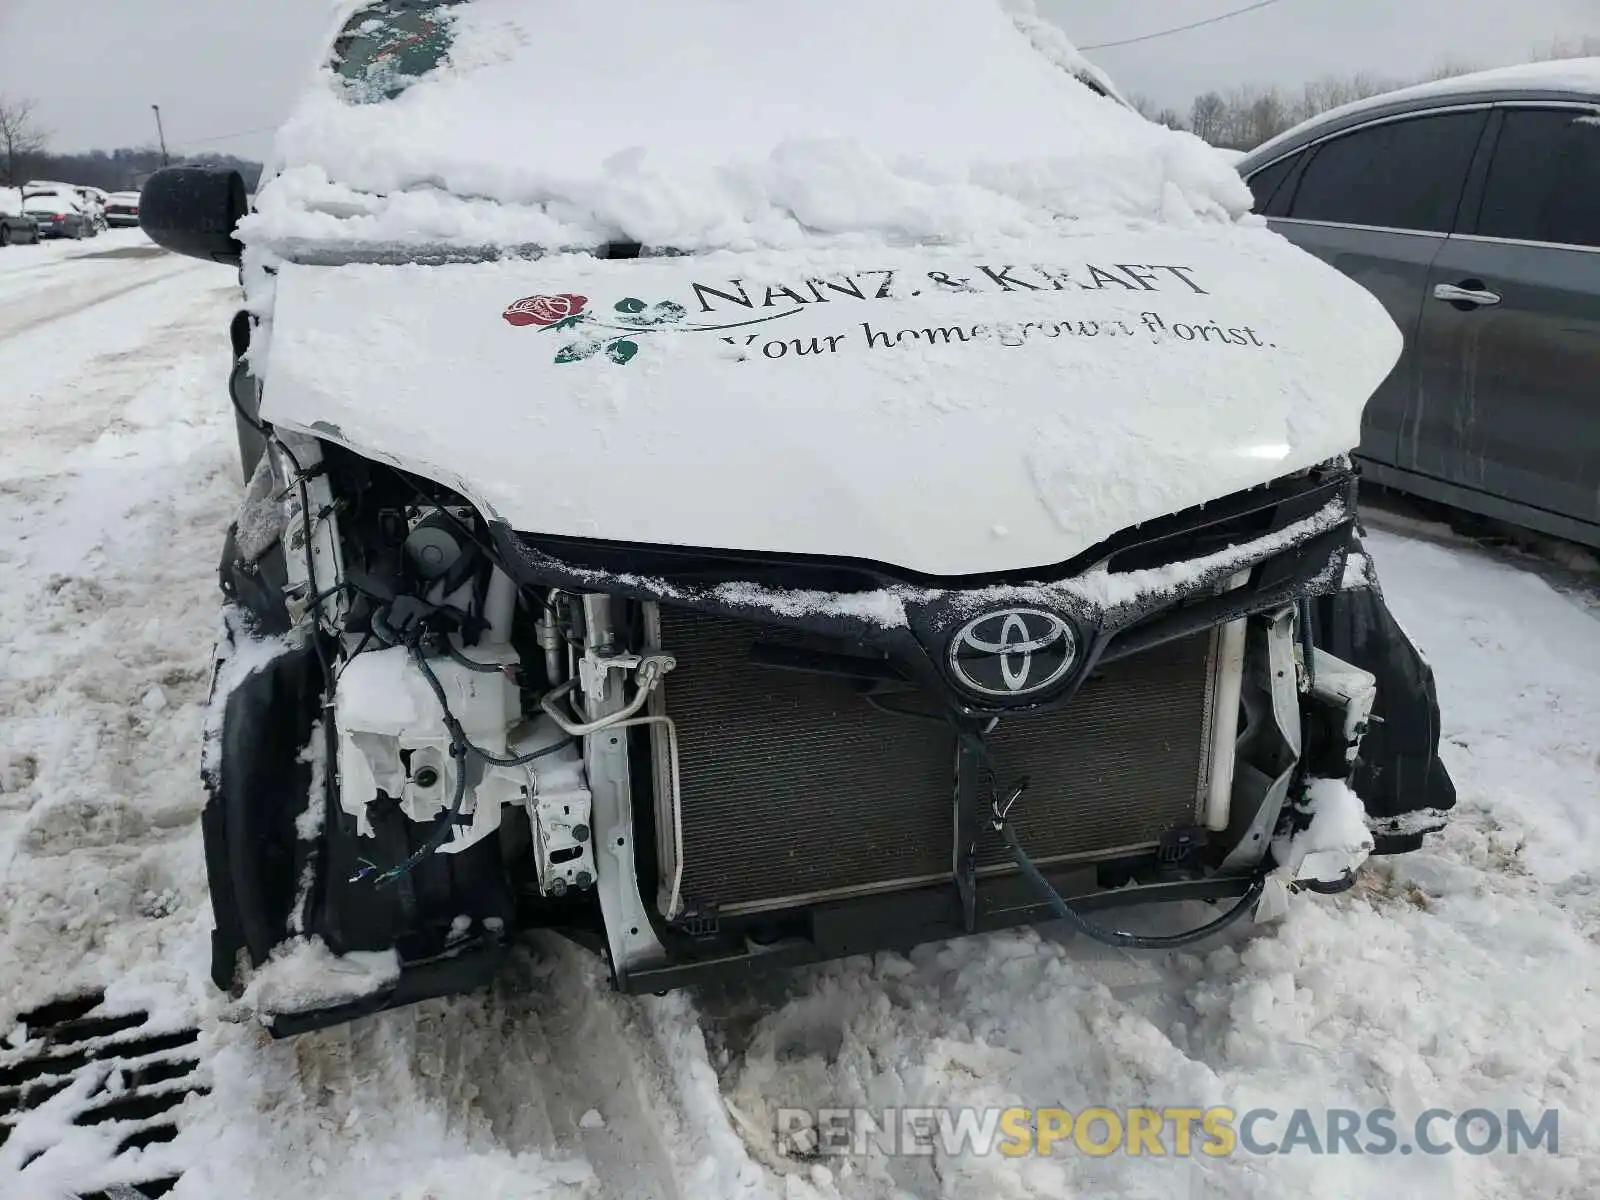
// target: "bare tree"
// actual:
[[1151, 111], [1331, 92], [1562, 47], [1450, 68], [20, 137], [1143, 105], [1207, 116], [1266, 116], [1249, 116]]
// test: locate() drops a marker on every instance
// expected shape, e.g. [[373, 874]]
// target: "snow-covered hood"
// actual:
[[946, 411]]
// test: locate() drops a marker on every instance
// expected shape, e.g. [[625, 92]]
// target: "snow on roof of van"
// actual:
[[1562, 75], [713, 123]]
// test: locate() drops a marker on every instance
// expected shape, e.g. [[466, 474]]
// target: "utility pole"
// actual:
[[161, 133]]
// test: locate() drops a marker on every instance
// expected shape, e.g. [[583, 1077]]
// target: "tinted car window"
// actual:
[[1544, 181], [1401, 175], [1265, 183]]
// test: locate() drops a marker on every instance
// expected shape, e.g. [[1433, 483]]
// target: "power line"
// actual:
[[222, 137], [1161, 33]]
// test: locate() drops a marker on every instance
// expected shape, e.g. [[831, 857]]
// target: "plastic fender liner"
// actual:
[[1399, 771], [249, 819]]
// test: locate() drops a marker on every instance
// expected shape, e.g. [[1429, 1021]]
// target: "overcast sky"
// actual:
[[219, 68]]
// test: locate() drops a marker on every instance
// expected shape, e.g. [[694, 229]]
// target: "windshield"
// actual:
[[386, 47]]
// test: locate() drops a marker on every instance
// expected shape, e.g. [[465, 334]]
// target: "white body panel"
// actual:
[[1131, 375]]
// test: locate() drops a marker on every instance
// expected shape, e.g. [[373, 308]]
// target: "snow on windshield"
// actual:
[[386, 47], [701, 124]]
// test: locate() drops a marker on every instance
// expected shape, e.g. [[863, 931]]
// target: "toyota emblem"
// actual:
[[1015, 652]]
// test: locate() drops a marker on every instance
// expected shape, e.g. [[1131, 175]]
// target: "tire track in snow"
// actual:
[[65, 407], [452, 1097], [79, 297]]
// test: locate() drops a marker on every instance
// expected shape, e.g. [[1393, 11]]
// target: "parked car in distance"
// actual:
[[15, 225], [58, 215], [122, 208], [1469, 207], [79, 198]]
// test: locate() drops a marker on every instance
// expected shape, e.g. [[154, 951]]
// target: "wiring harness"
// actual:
[[1000, 813]]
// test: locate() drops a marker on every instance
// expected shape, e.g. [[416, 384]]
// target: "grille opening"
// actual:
[[796, 789]]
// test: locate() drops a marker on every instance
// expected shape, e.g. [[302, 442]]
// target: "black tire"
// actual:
[[5, 235]]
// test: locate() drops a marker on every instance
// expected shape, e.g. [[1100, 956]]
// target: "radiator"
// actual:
[[794, 789]]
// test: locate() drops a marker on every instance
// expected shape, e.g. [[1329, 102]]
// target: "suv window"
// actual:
[[1405, 174], [1265, 183], [1544, 179]]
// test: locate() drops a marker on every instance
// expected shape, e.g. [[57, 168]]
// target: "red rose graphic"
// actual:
[[545, 310]]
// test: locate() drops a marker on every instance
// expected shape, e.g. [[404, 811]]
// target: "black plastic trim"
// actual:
[[1273, 505], [917, 650], [467, 971], [899, 921]]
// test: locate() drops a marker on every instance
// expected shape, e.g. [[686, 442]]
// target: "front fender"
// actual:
[[265, 701], [1399, 776]]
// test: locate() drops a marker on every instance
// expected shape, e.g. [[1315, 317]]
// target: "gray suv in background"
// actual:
[[1471, 208]]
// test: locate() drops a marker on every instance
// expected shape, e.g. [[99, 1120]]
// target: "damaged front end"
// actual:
[[431, 731]]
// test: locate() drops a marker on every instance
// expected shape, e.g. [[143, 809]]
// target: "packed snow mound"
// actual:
[[706, 123], [1334, 841], [304, 974]]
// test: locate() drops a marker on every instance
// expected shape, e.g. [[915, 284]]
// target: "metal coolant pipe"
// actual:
[[555, 660], [499, 606]]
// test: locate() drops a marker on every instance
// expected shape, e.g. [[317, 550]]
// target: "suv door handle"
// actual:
[[1468, 292]]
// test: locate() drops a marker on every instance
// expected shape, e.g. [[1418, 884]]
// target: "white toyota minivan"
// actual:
[[748, 489]]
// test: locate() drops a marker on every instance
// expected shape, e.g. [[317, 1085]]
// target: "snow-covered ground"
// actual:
[[1461, 977]]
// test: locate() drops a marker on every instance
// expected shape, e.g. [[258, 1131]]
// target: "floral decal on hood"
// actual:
[[612, 334]]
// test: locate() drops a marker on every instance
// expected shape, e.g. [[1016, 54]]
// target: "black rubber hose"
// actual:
[[440, 833], [458, 736], [473, 664], [1308, 641], [520, 759], [1115, 937]]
